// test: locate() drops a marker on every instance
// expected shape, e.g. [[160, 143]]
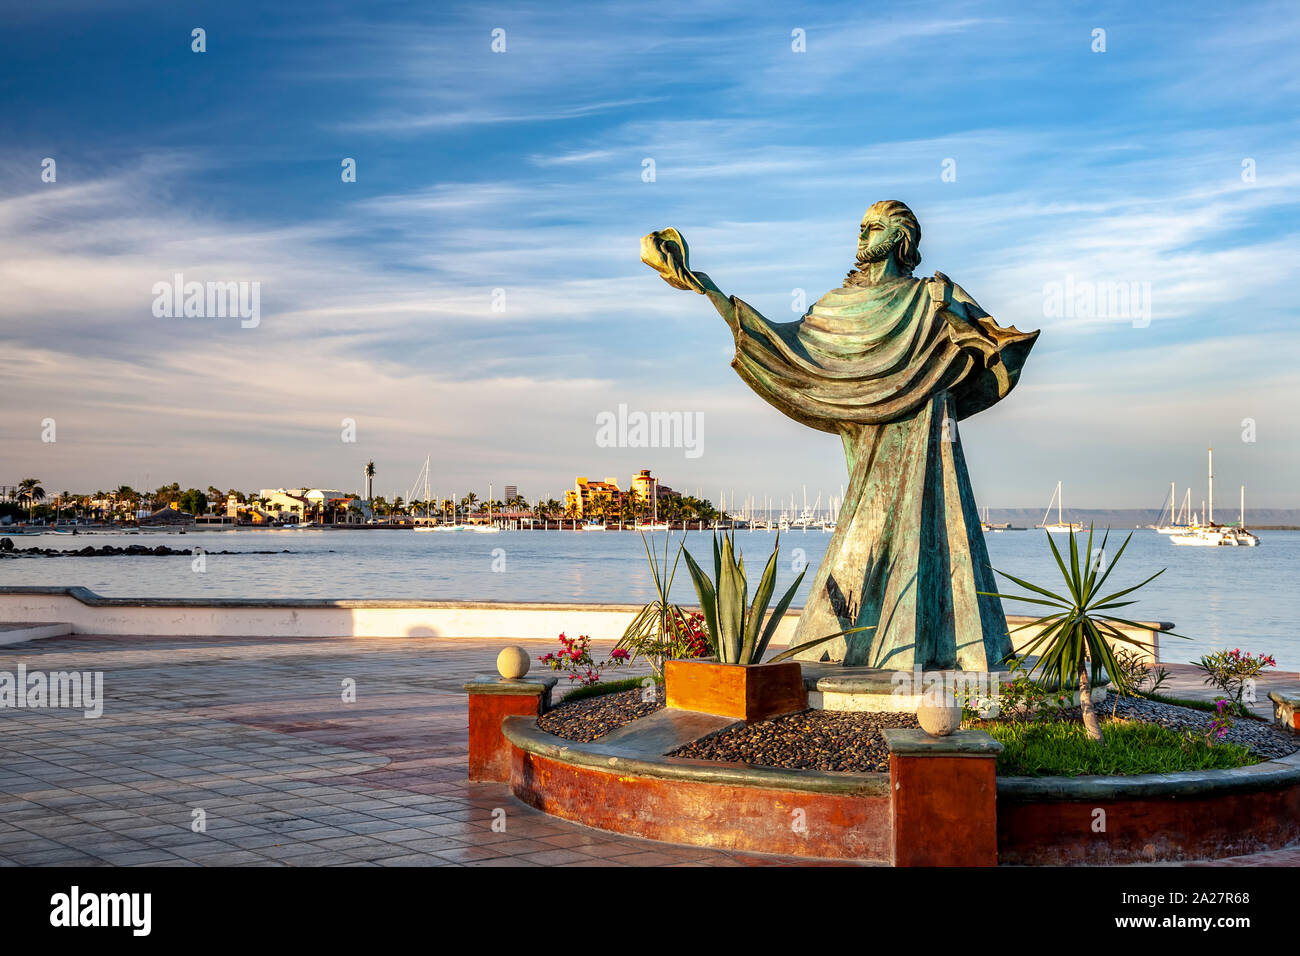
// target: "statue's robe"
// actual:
[[892, 373]]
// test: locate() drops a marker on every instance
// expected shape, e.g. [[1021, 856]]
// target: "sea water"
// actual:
[[1218, 597]]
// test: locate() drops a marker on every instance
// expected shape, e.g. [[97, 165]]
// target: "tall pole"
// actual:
[[1209, 512]]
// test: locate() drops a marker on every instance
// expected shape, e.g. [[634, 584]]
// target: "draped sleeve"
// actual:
[[874, 354]]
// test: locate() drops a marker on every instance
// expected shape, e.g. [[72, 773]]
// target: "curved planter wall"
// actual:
[[1149, 818], [1041, 821], [701, 803]]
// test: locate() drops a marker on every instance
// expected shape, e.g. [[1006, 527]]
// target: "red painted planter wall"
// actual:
[[1137, 831], [706, 814]]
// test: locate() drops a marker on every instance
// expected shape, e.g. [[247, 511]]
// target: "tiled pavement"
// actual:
[[1187, 681], [255, 734], [253, 738]]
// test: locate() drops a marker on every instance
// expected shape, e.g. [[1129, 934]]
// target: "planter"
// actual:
[[746, 692]]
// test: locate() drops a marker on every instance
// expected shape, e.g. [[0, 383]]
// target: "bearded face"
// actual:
[[877, 240]]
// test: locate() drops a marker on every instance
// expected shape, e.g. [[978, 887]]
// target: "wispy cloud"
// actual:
[[478, 291]]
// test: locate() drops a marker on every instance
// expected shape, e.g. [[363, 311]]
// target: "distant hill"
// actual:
[[1139, 517]]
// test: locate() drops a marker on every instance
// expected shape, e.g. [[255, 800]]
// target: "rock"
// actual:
[[6, 544], [939, 720], [513, 663]]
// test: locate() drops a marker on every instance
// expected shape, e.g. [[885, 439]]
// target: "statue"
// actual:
[[891, 364]]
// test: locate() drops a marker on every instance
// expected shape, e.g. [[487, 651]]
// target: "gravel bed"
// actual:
[[848, 741], [593, 717], [1259, 737]]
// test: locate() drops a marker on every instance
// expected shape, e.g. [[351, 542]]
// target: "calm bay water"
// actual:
[[1218, 597]]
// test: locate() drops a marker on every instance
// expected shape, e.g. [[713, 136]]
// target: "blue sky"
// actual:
[[522, 171]]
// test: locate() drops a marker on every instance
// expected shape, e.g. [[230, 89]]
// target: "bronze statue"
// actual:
[[890, 363]]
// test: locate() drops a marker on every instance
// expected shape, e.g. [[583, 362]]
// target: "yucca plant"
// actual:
[[1072, 645], [660, 630], [736, 625]]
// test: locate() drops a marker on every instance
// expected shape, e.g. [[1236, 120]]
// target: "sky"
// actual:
[[476, 295]]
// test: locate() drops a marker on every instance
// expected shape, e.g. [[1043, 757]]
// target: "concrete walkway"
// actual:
[[219, 751], [1188, 682]]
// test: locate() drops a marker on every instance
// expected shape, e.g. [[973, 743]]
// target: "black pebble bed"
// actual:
[[849, 741], [593, 717], [838, 740]]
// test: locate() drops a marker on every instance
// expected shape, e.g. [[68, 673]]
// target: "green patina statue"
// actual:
[[890, 363]]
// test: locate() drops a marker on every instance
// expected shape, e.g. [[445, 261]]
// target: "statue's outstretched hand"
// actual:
[[665, 251]]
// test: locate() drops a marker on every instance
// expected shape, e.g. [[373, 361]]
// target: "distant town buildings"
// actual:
[[579, 499], [325, 505]]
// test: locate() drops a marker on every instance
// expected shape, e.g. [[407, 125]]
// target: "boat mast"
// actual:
[[1209, 511]]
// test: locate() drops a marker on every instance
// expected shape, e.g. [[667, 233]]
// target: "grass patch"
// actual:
[[1062, 749], [607, 687]]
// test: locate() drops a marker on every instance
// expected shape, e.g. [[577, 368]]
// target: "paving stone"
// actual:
[[287, 774]]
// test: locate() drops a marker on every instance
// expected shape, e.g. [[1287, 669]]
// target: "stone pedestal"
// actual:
[[491, 700], [1286, 712], [943, 798]]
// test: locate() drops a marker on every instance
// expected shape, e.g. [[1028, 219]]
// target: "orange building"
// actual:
[[645, 487], [578, 499]]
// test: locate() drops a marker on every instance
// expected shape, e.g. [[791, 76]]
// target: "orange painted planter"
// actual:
[[753, 692]]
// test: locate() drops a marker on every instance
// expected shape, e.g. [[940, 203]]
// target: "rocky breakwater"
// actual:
[[7, 550]]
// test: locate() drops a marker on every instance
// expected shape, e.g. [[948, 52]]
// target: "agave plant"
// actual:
[[1074, 643], [736, 625], [659, 630]]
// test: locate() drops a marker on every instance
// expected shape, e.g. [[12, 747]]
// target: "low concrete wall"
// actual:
[[89, 613]]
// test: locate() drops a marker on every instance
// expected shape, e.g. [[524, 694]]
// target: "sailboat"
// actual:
[[1180, 519], [1060, 526], [1210, 535], [488, 528], [1239, 534], [416, 488], [1213, 535], [455, 520], [654, 524]]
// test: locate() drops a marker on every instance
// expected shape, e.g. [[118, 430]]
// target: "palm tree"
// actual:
[[125, 494], [30, 488]]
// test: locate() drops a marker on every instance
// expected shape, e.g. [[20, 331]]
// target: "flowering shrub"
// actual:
[[1020, 695], [693, 639], [574, 656], [675, 635], [1217, 729], [1219, 726], [1232, 672]]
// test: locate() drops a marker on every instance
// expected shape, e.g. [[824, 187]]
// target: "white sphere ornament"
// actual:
[[939, 720], [512, 662]]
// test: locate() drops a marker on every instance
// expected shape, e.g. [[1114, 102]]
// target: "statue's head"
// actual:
[[889, 228]]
